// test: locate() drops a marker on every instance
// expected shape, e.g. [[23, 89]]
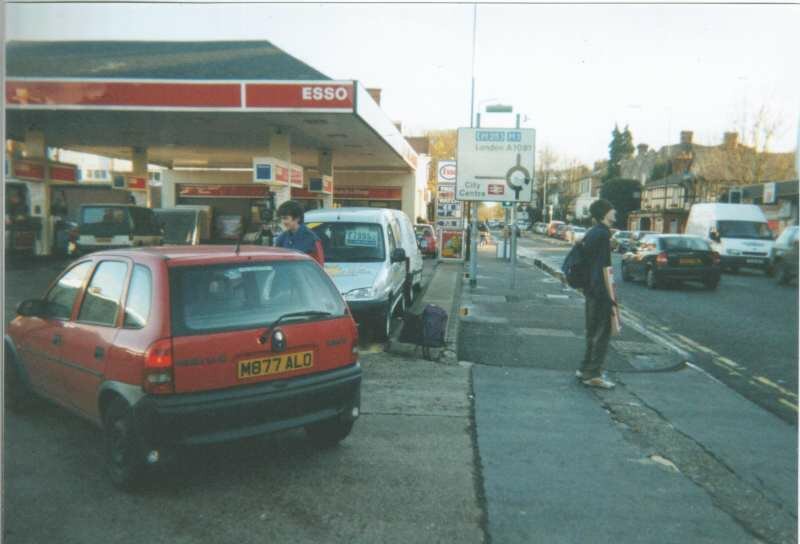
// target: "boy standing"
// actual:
[[296, 235]]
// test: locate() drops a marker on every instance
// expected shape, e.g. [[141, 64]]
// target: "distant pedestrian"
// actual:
[[597, 252], [296, 235]]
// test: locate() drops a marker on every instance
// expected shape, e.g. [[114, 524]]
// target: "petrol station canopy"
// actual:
[[194, 104]]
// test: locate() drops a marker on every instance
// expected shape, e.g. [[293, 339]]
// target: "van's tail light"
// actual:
[[661, 260], [715, 258], [158, 376]]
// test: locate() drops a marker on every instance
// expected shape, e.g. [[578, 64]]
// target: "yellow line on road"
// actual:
[[726, 361], [789, 404], [769, 383]]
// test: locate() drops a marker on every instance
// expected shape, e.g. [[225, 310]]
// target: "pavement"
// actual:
[[671, 454]]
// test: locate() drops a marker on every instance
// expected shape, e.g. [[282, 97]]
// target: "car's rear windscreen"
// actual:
[[105, 221], [230, 297], [682, 243]]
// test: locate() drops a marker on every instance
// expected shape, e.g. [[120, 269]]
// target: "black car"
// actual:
[[663, 258]]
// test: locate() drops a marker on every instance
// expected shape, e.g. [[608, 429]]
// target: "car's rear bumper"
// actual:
[[232, 414], [745, 261]]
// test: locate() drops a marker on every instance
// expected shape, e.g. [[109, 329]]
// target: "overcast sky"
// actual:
[[573, 70]]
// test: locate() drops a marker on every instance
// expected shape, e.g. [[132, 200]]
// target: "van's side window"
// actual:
[[390, 234]]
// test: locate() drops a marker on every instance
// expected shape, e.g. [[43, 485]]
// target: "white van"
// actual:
[[738, 232], [408, 240], [365, 255]]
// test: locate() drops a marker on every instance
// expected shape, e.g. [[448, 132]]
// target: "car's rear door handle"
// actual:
[[56, 339], [99, 352]]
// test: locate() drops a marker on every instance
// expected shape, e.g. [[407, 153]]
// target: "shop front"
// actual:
[[370, 197]]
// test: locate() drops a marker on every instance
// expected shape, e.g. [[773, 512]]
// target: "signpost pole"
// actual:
[[514, 238], [506, 237]]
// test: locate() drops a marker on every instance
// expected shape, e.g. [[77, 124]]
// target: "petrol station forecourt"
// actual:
[[210, 113]]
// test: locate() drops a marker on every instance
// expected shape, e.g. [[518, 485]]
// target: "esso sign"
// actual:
[[325, 93], [447, 172]]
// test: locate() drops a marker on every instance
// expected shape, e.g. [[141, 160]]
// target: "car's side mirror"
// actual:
[[398, 255], [32, 308]]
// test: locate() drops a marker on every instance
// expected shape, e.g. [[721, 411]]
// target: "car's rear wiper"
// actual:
[[308, 313]]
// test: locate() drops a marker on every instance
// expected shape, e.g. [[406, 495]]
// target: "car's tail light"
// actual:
[[715, 258], [661, 260], [158, 376]]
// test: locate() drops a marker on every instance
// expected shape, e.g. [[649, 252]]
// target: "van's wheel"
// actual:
[[652, 280], [124, 455], [383, 326], [327, 434], [19, 397]]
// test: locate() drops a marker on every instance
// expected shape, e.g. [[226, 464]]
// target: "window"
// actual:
[[101, 302], [392, 239], [684, 243], [61, 297], [137, 306], [105, 220], [239, 297], [350, 242]]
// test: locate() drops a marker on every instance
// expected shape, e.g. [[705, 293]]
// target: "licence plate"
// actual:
[[689, 261], [277, 364], [102, 239], [753, 261]]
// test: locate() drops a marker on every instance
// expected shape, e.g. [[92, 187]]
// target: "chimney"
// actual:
[[376, 95], [686, 137], [730, 140], [642, 148]]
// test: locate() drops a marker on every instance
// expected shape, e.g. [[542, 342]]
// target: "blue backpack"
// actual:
[[576, 267]]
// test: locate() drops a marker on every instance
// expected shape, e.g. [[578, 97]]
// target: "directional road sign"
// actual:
[[495, 164]]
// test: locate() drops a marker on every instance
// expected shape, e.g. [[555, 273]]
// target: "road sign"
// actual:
[[446, 172], [495, 164]]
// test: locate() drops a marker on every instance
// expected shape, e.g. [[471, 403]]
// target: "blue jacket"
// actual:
[[597, 249], [304, 240]]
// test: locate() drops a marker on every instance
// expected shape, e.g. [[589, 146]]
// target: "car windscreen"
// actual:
[[206, 299], [684, 243], [754, 230], [344, 242], [179, 226], [105, 221]]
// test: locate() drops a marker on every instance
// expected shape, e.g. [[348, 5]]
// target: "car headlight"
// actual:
[[734, 252], [360, 294]]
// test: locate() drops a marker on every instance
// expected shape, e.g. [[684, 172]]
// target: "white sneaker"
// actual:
[[600, 382]]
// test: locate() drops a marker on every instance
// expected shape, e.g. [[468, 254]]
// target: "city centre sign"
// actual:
[[495, 164]]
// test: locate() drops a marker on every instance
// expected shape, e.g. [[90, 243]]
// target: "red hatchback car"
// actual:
[[174, 346]]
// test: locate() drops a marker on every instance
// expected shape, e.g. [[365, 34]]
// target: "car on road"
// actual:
[[784, 255], [552, 227], [574, 234], [168, 347], [493, 224], [664, 258], [738, 232], [617, 238], [561, 231], [113, 226], [426, 239], [365, 255], [633, 241], [540, 228]]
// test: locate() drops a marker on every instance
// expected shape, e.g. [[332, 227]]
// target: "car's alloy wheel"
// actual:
[[124, 456]]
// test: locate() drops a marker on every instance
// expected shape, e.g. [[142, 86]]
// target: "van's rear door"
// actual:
[[222, 317]]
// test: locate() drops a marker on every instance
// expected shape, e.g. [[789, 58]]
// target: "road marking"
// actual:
[[769, 383], [789, 404], [726, 361]]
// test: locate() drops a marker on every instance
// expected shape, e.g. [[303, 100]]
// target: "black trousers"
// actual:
[[598, 333]]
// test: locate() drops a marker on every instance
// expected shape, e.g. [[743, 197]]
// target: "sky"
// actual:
[[572, 71]]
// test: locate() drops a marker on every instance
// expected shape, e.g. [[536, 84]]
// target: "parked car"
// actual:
[[493, 224], [617, 240], [784, 255], [426, 238], [112, 226], [738, 232], [365, 255], [561, 231], [171, 346], [574, 234], [552, 226], [661, 258]]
